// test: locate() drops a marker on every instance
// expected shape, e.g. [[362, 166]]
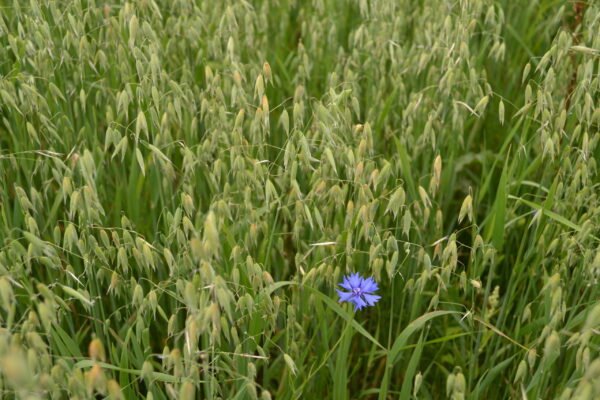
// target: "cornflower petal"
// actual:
[[346, 284], [371, 299], [344, 296], [358, 303], [369, 285], [354, 280]]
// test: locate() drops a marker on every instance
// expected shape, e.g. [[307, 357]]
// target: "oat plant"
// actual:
[[184, 184]]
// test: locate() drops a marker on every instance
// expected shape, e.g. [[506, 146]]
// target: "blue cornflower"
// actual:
[[360, 291]]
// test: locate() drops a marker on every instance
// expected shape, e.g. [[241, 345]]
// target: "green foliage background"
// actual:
[[184, 183]]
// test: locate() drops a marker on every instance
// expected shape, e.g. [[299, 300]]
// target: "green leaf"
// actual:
[[406, 169], [495, 230], [401, 341], [556, 217], [490, 376], [411, 370], [159, 376], [413, 327], [66, 343]]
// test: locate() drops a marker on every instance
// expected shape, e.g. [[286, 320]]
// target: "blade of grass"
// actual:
[[411, 369], [400, 342]]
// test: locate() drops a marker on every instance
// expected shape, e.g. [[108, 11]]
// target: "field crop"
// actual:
[[184, 184]]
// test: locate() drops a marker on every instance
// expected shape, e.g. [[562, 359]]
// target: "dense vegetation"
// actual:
[[184, 184]]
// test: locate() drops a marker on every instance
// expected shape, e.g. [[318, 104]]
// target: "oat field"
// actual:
[[185, 184]]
